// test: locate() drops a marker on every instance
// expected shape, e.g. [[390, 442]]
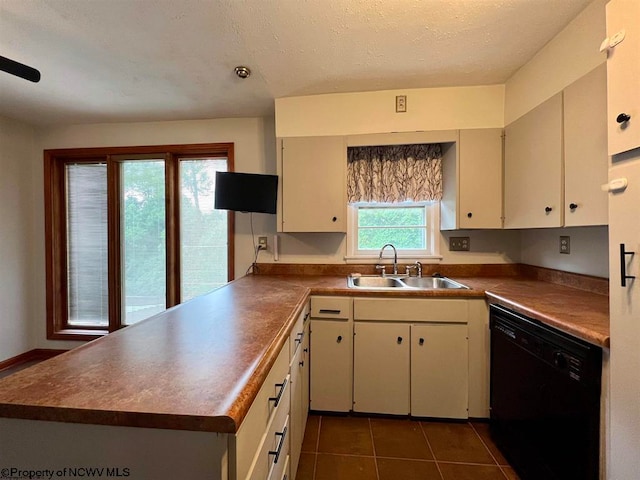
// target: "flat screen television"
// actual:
[[246, 192]]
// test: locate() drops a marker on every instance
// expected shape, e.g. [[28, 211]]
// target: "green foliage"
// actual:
[[203, 231], [404, 227]]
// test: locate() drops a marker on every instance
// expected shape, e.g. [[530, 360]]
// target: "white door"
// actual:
[[624, 306], [381, 368], [533, 168], [439, 371], [331, 365], [314, 184], [623, 75]]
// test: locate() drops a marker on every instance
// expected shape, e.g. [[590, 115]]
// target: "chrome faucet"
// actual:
[[395, 258], [418, 266]]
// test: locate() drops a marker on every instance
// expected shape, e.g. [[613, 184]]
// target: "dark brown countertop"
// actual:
[[199, 366], [575, 311]]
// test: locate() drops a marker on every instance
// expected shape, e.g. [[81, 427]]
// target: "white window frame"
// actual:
[[429, 255]]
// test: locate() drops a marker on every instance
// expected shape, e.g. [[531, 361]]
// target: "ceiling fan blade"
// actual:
[[19, 69]]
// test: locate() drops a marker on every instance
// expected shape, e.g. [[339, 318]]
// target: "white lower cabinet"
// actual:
[[411, 356], [299, 372], [332, 354], [381, 368], [331, 365], [425, 357], [306, 373], [265, 427], [439, 371]]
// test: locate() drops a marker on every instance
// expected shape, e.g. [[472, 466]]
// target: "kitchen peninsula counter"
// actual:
[[199, 366]]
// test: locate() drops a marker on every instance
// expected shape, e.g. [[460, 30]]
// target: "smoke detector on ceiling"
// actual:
[[242, 72]]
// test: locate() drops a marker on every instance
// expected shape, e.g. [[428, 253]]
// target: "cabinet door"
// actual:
[[439, 371], [331, 365], [381, 368], [585, 150], [313, 177], [296, 427], [623, 75], [480, 187], [306, 353], [533, 168]]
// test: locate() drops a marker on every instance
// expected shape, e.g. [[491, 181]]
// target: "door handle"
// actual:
[[623, 266]]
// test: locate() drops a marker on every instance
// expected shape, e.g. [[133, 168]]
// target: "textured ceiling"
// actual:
[[144, 60]]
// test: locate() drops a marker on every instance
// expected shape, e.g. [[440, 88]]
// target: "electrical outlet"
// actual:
[[262, 243], [459, 244], [565, 244]]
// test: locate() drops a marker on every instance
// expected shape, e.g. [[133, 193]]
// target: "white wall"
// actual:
[[570, 55], [16, 237], [447, 108], [589, 252], [487, 246]]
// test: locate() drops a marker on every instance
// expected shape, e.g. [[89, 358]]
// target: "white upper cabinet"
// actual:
[[480, 190], [312, 188], [472, 180], [533, 167], [585, 150], [623, 75]]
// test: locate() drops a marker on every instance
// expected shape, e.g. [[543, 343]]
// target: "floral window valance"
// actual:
[[395, 173]]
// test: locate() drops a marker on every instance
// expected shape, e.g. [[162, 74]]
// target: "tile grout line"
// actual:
[[424, 434], [488, 450], [315, 456], [373, 445]]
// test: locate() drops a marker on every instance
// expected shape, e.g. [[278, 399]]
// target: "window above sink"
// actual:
[[412, 227]]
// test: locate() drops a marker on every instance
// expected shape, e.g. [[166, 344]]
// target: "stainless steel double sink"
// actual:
[[394, 282]]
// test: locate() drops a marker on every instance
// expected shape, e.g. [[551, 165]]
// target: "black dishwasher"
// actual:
[[545, 398]]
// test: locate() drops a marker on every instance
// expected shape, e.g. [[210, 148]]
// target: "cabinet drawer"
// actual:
[[286, 471], [296, 337], [331, 307], [270, 461], [412, 310], [263, 410]]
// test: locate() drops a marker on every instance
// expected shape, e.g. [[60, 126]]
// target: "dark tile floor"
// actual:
[[361, 448]]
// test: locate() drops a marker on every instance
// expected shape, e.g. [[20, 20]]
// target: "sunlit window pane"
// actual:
[[203, 230], [404, 227], [144, 276], [87, 259]]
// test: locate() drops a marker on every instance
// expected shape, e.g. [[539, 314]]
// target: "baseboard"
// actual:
[[31, 355]]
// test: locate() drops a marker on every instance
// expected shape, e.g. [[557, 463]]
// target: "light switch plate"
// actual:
[[459, 244]]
